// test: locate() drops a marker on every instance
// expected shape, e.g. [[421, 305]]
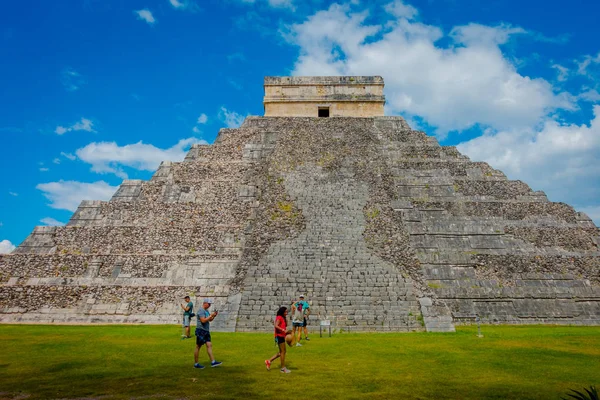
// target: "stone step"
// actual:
[[507, 209]]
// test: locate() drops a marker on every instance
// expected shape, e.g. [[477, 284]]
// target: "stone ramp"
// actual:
[[330, 263]]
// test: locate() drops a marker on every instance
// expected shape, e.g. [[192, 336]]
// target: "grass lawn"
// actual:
[[122, 362]]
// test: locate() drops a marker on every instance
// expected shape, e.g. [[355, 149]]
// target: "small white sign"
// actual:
[[325, 322]]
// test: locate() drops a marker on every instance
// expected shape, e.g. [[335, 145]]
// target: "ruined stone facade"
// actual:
[[377, 224], [325, 96]]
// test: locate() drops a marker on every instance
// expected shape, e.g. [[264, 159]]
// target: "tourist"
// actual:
[[280, 333], [297, 321], [301, 310], [203, 334], [306, 310], [188, 308]]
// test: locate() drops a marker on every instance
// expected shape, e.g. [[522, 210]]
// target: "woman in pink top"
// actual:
[[280, 332]]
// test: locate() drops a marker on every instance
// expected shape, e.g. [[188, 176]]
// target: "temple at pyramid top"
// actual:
[[324, 96]]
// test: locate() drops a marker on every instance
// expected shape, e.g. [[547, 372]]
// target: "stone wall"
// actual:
[[343, 96]]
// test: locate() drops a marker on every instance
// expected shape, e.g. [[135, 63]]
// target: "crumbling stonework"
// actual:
[[381, 227]]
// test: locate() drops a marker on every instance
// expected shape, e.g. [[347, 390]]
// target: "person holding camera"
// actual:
[[188, 308], [203, 334]]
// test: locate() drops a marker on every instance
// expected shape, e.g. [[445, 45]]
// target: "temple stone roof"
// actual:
[[324, 96]]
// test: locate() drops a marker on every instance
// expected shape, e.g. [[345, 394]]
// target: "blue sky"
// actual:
[[95, 91]]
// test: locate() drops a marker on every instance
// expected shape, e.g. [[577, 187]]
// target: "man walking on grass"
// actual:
[[203, 334], [188, 308]]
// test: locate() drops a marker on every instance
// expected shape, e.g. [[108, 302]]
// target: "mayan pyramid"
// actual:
[[377, 224]]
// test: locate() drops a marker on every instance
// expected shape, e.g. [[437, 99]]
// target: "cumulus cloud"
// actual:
[[461, 79], [563, 159], [109, 157], [83, 125], [145, 15], [231, 119], [456, 87], [202, 119], [51, 222], [71, 79], [6, 247], [13, 194], [66, 195], [399, 9]]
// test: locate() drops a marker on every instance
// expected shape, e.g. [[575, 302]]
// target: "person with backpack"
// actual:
[[280, 332], [298, 319], [306, 311], [188, 308]]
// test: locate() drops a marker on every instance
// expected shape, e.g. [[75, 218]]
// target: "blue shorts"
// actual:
[[202, 337], [298, 324], [186, 321]]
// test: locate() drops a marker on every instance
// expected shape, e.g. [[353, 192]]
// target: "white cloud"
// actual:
[[563, 72], [44, 169], [71, 79], [202, 119], [563, 159], [468, 82], [61, 130], [401, 10], [108, 157], [145, 15], [590, 95], [68, 155], [231, 119], [195, 129], [6, 247], [56, 161], [83, 125], [582, 66], [66, 195], [51, 222], [187, 5], [13, 194]]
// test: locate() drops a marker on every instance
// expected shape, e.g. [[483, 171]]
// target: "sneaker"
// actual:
[[298, 345], [285, 371], [306, 338], [215, 363], [199, 366], [268, 364]]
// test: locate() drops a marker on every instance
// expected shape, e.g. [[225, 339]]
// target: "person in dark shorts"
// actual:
[[280, 332], [188, 309], [306, 309], [203, 334]]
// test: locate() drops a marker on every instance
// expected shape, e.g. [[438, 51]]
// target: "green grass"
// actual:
[[524, 362]]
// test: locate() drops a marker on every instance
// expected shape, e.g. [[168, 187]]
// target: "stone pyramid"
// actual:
[[377, 224]]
